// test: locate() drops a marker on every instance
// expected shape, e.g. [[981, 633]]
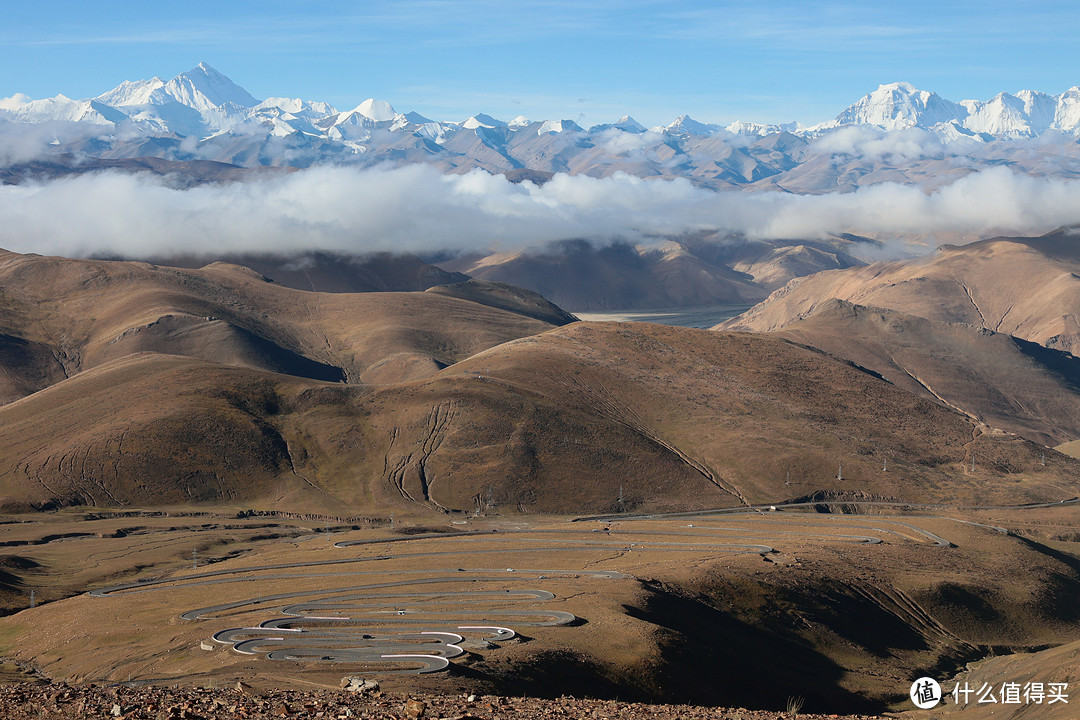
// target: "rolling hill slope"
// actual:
[[567, 421], [62, 316], [1006, 382], [1026, 287]]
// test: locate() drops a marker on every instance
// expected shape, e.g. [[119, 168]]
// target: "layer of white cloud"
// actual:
[[14, 102], [618, 142], [417, 208], [871, 144], [24, 142]]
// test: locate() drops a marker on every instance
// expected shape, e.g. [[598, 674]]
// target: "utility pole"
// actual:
[[620, 497], [885, 465], [972, 462], [194, 559], [840, 472], [33, 600]]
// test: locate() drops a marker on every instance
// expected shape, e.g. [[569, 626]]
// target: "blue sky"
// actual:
[[589, 61]]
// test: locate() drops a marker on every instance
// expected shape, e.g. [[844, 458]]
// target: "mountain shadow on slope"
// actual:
[[215, 340], [324, 271], [1007, 382], [504, 296], [712, 656], [582, 276]]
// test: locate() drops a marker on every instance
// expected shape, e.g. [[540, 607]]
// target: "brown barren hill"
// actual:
[[212, 385], [1027, 287], [147, 429], [667, 418], [320, 271], [60, 316], [568, 421], [506, 297], [998, 379], [577, 275], [774, 263], [1059, 666]]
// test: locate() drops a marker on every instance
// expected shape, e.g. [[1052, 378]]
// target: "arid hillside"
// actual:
[[698, 270], [740, 416], [1026, 287], [135, 384], [578, 276], [59, 317], [1003, 381], [160, 418], [332, 272], [773, 263], [653, 417]]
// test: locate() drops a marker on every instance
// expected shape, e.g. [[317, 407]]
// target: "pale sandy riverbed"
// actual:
[[695, 317]]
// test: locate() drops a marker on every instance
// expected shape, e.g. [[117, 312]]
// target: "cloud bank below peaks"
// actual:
[[416, 208]]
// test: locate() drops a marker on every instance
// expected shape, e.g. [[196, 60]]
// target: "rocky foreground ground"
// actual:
[[43, 701]]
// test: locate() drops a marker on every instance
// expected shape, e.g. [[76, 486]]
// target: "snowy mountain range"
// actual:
[[202, 115], [1028, 113]]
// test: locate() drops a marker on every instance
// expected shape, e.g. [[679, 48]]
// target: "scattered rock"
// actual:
[[414, 709], [34, 701], [353, 683], [245, 689]]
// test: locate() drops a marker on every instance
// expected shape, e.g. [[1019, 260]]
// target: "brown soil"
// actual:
[[28, 701], [844, 624], [452, 433], [1003, 381], [1025, 287], [166, 386]]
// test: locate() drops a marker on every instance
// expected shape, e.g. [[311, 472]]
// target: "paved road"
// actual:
[[784, 505], [410, 625], [369, 624]]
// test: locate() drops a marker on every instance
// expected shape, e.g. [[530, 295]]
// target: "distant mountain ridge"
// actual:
[[898, 106], [223, 105], [203, 115]]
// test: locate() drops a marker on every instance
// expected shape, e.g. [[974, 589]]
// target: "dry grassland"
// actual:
[[840, 609]]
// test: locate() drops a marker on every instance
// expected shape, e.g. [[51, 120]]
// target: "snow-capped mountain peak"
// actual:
[[741, 127], [57, 109], [905, 88], [482, 120], [1002, 116], [377, 110], [629, 124], [137, 92], [203, 114], [686, 125], [557, 126], [900, 105], [204, 88], [626, 124], [298, 107]]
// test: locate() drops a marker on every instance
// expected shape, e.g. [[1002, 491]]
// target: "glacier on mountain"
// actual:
[[894, 133]]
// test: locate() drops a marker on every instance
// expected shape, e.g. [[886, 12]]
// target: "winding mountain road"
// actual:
[[411, 619]]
